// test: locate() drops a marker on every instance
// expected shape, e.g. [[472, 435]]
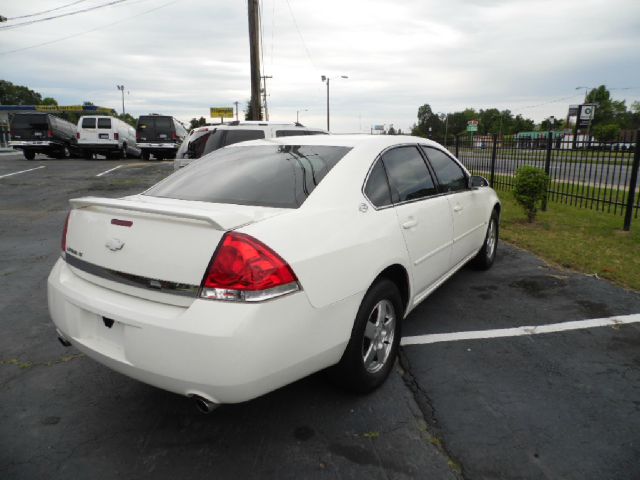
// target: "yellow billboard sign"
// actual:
[[221, 112]]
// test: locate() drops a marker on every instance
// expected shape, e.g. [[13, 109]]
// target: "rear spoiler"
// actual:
[[205, 216]]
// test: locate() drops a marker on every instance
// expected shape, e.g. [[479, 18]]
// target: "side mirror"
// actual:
[[476, 181]]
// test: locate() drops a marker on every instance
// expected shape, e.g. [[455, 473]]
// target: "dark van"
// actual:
[[159, 135], [42, 133]]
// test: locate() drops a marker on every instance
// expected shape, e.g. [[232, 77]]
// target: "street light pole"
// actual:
[[298, 114], [121, 88], [327, 80]]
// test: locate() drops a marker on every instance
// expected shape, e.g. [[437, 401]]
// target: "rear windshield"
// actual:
[[269, 176], [88, 123], [162, 124], [35, 121], [290, 133], [104, 123]]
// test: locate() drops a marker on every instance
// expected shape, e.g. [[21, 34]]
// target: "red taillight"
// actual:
[[138, 137], [173, 136], [78, 135], [50, 134], [116, 136], [63, 242], [245, 269]]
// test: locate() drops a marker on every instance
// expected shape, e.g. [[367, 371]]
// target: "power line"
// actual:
[[76, 12], [47, 11], [90, 30], [300, 35]]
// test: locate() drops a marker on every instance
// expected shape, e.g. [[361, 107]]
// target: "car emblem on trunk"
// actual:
[[114, 244]]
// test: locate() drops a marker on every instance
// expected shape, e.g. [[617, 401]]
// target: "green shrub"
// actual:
[[530, 189]]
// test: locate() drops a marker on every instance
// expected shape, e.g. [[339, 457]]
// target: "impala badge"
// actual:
[[114, 244]]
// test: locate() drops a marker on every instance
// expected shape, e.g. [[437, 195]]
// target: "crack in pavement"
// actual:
[[428, 413]]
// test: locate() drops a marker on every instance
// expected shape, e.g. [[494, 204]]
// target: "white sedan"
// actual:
[[269, 260]]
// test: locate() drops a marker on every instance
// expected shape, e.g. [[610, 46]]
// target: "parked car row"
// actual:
[[159, 136]]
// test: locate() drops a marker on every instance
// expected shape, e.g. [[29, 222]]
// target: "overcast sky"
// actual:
[[180, 59]]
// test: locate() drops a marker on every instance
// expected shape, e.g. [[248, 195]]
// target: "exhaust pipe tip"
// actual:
[[203, 405], [62, 339]]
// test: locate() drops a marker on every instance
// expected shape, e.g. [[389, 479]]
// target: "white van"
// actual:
[[108, 136], [204, 140]]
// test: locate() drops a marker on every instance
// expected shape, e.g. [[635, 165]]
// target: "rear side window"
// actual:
[[377, 187], [104, 123], [266, 175], [88, 123], [451, 177], [290, 133], [409, 177], [237, 136]]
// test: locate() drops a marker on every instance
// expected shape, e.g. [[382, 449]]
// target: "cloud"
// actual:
[[193, 54]]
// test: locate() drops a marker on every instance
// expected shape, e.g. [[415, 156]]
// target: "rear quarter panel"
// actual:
[[334, 248]]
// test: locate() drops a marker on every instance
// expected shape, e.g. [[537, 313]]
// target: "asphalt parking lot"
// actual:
[[562, 404]]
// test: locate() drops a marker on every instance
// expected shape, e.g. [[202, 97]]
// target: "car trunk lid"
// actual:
[[154, 248]]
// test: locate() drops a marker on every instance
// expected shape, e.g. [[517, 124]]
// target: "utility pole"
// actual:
[[121, 88], [264, 95], [254, 56], [236, 104]]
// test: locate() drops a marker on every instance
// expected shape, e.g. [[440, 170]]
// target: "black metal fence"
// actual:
[[584, 174]]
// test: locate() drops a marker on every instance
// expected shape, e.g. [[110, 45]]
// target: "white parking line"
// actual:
[[110, 170], [520, 331], [23, 171]]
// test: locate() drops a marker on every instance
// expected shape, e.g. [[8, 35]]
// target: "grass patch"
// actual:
[[589, 241]]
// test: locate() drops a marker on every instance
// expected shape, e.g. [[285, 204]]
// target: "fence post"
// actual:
[[547, 168], [457, 146], [494, 152], [632, 184]]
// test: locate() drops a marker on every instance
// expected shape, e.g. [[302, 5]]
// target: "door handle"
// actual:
[[458, 208], [410, 223]]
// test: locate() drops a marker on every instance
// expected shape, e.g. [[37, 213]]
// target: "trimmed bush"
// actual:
[[530, 189]]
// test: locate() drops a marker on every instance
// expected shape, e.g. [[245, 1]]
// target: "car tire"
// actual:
[[29, 155], [487, 254], [145, 155], [123, 152], [373, 347], [87, 155]]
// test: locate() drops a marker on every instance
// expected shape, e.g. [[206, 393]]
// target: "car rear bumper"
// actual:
[[99, 147], [158, 146], [223, 351], [30, 143]]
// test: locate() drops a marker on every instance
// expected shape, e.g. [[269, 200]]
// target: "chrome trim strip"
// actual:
[[434, 252], [29, 143], [153, 284], [460, 237]]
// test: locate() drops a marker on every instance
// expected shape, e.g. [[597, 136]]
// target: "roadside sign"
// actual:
[[473, 122], [221, 112], [587, 112], [378, 128], [585, 115], [472, 127]]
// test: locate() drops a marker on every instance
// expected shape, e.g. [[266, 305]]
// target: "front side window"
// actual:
[[88, 123], [104, 123], [280, 176], [377, 187], [450, 176], [237, 136], [409, 177]]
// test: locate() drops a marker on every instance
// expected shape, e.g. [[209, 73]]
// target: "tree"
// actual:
[[131, 120], [391, 131], [195, 123], [607, 110], [49, 101], [530, 189], [429, 124], [11, 94], [606, 133]]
